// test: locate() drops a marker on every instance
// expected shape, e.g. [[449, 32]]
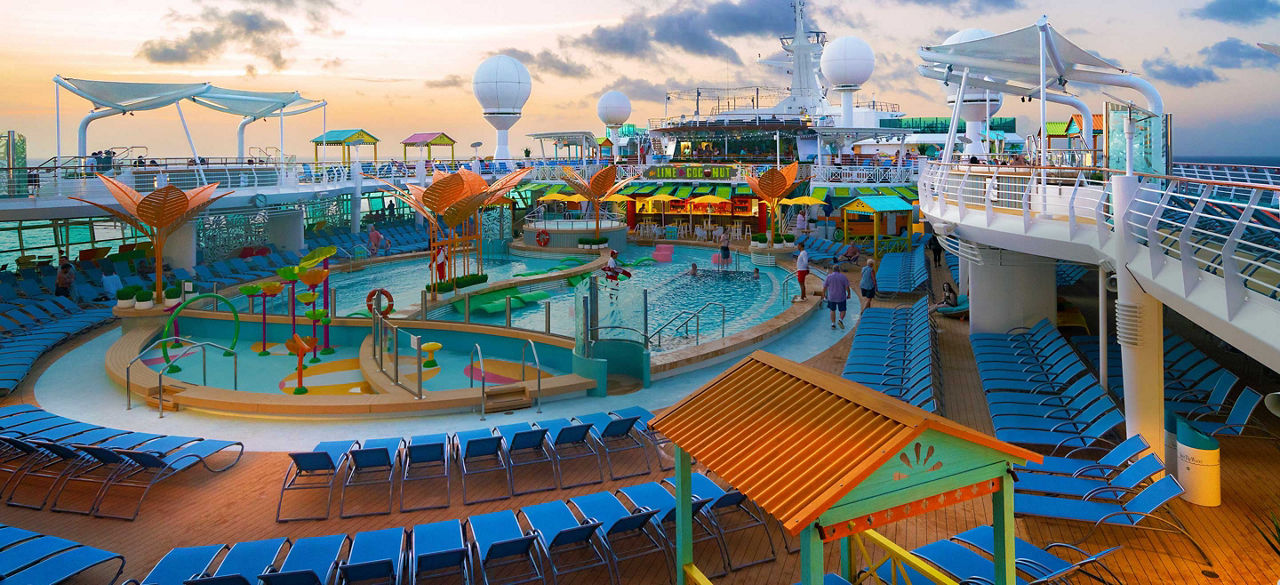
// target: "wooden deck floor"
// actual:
[[198, 508]]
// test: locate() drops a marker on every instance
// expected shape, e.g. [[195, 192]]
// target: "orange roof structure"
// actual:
[[797, 440]]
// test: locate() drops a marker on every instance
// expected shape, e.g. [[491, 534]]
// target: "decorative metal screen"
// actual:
[[222, 235]]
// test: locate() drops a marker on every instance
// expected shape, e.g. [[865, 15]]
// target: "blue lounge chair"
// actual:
[[966, 566], [561, 534], [1132, 513], [625, 534], [643, 416], [1121, 484], [30, 552], [653, 496], [65, 565], [526, 445], [102, 463], [376, 556], [374, 463], [568, 442], [315, 470], [615, 436], [1237, 422], [722, 504], [426, 458], [480, 452], [1106, 466], [48, 461], [311, 561], [832, 579], [1036, 561], [498, 543], [147, 468], [243, 563], [439, 550]]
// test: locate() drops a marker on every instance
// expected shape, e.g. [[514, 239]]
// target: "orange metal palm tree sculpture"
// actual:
[[602, 184], [771, 187], [158, 214]]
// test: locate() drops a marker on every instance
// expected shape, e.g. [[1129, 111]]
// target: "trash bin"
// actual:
[[1199, 468]]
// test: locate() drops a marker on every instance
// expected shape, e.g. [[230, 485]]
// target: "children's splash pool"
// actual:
[[339, 372]]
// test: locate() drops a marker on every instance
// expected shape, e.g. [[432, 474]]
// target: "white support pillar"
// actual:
[[1011, 290], [240, 136], [1140, 330], [180, 247], [964, 276], [285, 230], [419, 176], [357, 194]]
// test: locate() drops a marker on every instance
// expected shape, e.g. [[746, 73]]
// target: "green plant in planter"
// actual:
[[788, 238], [759, 238], [172, 292], [125, 294], [144, 296]]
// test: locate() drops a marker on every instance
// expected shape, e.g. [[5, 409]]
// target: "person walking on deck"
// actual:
[[868, 283], [802, 268], [835, 289]]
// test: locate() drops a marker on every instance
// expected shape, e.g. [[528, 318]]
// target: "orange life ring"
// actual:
[[543, 238], [386, 310]]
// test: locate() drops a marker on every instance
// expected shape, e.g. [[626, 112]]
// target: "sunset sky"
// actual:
[[395, 68]]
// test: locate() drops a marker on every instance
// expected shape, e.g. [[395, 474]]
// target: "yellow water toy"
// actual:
[[431, 347]]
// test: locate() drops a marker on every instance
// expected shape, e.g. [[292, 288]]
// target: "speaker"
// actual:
[[1113, 284]]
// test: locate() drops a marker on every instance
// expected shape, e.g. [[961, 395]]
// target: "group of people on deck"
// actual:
[[836, 288]]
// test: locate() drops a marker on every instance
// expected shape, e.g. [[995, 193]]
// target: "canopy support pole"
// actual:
[[280, 164], [240, 136], [57, 128], [811, 557], [191, 143], [777, 148], [324, 129], [1044, 130], [950, 147], [1003, 553], [82, 140]]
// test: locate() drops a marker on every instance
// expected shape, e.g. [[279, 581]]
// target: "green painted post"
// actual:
[[846, 558], [811, 557], [684, 514], [1002, 503]]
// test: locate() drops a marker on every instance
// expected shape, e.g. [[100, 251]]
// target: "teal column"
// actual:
[[684, 514], [811, 567], [1002, 504], [846, 558]]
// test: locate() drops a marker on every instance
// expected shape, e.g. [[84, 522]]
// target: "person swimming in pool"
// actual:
[[693, 269]]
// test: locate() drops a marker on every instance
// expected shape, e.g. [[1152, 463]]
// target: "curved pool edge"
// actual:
[[417, 310]]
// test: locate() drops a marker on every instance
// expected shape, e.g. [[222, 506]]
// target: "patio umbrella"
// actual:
[[707, 200], [806, 200], [664, 198], [552, 197]]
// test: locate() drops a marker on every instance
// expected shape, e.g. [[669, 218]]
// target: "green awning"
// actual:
[[842, 192], [552, 190], [644, 188], [866, 191], [629, 189], [683, 192], [908, 193], [724, 192], [819, 193], [665, 190], [531, 187], [742, 190], [702, 190], [886, 191]]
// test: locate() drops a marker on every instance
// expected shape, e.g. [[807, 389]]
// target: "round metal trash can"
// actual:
[[1199, 466]]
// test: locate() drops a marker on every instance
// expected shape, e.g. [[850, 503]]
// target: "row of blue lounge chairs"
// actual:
[[1040, 392], [902, 272], [1197, 387], [44, 454], [895, 352], [402, 239], [590, 532], [821, 249], [497, 450], [31, 326], [232, 271], [31, 558]]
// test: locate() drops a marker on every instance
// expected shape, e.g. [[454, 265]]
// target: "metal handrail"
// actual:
[[484, 382], [590, 344], [537, 365], [204, 368], [696, 316]]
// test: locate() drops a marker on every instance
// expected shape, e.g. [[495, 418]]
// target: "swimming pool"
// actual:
[[339, 373], [747, 300]]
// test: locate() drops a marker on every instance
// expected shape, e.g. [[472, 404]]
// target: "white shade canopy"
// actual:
[[133, 97], [1022, 47]]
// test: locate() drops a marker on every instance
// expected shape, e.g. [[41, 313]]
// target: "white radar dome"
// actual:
[[848, 61], [975, 100], [613, 108], [501, 84]]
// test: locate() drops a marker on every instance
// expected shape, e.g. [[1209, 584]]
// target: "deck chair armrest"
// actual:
[[1098, 491], [1189, 395], [1047, 399], [1084, 439], [1095, 467], [1071, 425], [1061, 409], [1088, 557], [1032, 567]]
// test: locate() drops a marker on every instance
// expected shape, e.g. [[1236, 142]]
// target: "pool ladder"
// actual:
[[696, 317], [204, 368]]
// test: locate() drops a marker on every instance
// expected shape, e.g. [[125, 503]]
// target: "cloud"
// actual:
[[639, 89], [1234, 53], [547, 62], [898, 73], [1165, 69], [333, 64], [1238, 11], [447, 81], [623, 40], [258, 27], [250, 70], [252, 30], [968, 7]]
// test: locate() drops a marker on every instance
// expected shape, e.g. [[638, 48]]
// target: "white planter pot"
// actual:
[[143, 305], [172, 302], [124, 303]]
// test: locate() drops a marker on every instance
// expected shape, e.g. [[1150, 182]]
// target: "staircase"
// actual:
[[519, 395]]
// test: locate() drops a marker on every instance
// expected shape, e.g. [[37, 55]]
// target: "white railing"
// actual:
[[1201, 225], [863, 174]]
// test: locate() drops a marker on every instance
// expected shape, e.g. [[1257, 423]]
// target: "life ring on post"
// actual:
[[543, 238], [388, 308]]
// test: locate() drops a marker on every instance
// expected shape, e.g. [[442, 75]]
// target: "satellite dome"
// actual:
[[968, 34], [501, 84], [848, 61], [613, 108], [975, 101]]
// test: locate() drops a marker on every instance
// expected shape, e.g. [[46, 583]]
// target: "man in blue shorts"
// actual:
[[835, 289], [868, 283]]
